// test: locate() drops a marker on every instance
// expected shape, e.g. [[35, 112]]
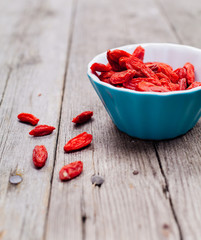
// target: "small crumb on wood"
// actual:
[[97, 180], [135, 172], [131, 185], [166, 229], [15, 179], [166, 226]]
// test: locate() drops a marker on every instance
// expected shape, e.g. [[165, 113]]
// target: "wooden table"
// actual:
[[45, 48]]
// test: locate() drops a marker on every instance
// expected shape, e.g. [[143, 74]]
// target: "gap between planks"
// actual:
[[74, 8], [167, 193]]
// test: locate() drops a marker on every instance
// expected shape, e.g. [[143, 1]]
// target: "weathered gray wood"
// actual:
[[180, 158], [126, 206], [34, 43]]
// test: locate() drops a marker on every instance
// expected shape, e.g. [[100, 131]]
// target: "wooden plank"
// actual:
[[126, 206], [184, 19], [180, 157], [35, 44]]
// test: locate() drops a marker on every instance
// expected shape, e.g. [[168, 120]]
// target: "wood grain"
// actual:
[[35, 45], [125, 205]]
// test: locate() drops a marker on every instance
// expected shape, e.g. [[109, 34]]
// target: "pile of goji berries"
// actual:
[[40, 153], [125, 70]]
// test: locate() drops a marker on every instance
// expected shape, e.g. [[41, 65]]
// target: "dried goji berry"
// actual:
[[154, 67], [122, 62], [121, 77], [181, 72], [182, 84], [99, 67], [190, 75], [132, 83], [117, 53], [139, 52], [41, 130], [150, 87], [113, 58], [161, 75], [170, 74], [137, 64], [28, 118], [80, 141], [83, 117], [71, 170], [40, 156], [194, 85]]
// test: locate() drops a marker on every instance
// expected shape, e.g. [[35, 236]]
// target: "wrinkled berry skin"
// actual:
[[80, 141], [40, 156], [83, 117], [28, 118], [41, 130], [71, 170]]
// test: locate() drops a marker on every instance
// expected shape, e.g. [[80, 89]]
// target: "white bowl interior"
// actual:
[[173, 54]]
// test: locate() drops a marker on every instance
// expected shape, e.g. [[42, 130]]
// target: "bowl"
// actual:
[[153, 115]]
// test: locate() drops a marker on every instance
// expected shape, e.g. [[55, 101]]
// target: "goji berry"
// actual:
[[161, 75], [99, 67], [154, 67], [83, 117], [150, 87], [182, 84], [71, 170], [41, 130], [106, 75], [194, 85], [122, 62], [121, 77], [80, 141], [132, 83], [28, 118], [170, 74], [137, 64], [181, 72], [113, 58], [190, 75], [117, 53], [40, 156], [139, 53]]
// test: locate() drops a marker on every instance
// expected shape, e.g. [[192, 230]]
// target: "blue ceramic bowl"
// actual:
[[152, 115]]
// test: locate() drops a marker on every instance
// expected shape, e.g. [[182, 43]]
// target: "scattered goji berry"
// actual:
[[190, 75], [71, 170], [121, 77], [139, 52], [28, 118], [40, 156], [41, 130], [80, 141], [83, 117]]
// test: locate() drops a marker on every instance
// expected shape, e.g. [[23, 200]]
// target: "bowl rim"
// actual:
[[180, 92]]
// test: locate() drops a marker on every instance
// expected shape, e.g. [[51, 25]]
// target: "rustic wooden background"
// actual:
[[45, 47]]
